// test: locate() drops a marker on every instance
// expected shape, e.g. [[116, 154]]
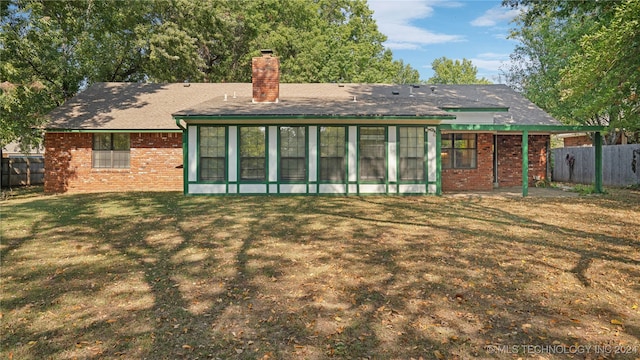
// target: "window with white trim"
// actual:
[[212, 153], [332, 153], [293, 153], [412, 153], [371, 150], [253, 153]]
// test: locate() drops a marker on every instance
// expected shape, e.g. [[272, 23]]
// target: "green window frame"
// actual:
[[293, 153], [253, 149], [212, 153], [459, 151], [332, 162], [111, 151], [412, 162], [372, 154]]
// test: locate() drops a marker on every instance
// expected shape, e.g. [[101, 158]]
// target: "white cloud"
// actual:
[[489, 65], [492, 65], [491, 62], [494, 16], [394, 19], [491, 55], [401, 46], [400, 12]]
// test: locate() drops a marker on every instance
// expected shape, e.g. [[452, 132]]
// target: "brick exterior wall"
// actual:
[[509, 164], [478, 179], [155, 164], [510, 159]]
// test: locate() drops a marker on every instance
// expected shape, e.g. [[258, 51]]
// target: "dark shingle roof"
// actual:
[[521, 110], [323, 100], [136, 106]]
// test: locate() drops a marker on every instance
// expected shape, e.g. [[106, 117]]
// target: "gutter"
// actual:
[[278, 117], [111, 130], [179, 124]]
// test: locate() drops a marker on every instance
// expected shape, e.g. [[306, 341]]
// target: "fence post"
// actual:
[[525, 163], [28, 171], [11, 171], [597, 140]]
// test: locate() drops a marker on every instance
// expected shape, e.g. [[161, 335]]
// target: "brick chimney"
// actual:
[[265, 77]]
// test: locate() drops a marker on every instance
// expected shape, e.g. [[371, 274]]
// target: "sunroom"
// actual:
[[311, 159]]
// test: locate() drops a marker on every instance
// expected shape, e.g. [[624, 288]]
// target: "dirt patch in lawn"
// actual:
[[161, 275]]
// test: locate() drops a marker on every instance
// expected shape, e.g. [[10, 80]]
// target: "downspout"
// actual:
[[179, 124], [185, 159]]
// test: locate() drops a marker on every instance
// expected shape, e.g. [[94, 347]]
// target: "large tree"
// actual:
[[580, 61], [448, 71], [52, 49], [603, 77]]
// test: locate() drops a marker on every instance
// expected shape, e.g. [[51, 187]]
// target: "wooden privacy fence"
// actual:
[[620, 165], [22, 170]]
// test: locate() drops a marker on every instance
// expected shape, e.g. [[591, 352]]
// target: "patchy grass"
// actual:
[[584, 189], [164, 276]]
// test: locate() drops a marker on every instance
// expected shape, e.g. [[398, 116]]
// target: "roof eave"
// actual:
[[58, 130], [187, 117], [557, 129]]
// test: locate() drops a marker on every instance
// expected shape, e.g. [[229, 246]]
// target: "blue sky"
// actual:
[[420, 31]]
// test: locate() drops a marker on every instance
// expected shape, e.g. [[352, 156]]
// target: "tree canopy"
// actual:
[[580, 61], [52, 49], [447, 71]]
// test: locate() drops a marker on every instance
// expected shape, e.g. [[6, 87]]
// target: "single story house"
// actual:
[[273, 138]]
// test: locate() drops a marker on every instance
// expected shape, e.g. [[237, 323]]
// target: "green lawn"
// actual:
[[166, 276]]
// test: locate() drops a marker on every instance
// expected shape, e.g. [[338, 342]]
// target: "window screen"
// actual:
[[412, 153], [293, 153], [372, 153], [212, 153], [252, 153], [332, 153]]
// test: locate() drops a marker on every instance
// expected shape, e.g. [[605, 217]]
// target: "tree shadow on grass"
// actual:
[[167, 276], [413, 214]]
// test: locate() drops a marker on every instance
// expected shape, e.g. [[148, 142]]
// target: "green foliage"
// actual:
[[66, 45], [16, 101], [603, 76], [449, 72], [579, 61]]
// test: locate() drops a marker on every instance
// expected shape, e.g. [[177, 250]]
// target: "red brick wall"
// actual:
[[509, 164], [156, 160], [155, 164], [480, 178], [510, 159]]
